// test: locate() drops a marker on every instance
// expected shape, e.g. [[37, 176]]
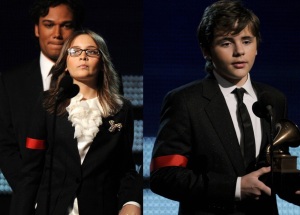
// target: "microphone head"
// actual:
[[73, 91], [263, 107], [259, 110], [67, 89], [66, 82]]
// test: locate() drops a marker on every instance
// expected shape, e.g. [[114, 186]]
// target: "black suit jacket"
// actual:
[[102, 183], [196, 157], [19, 90]]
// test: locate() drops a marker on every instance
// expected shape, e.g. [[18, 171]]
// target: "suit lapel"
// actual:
[[31, 74], [34, 76], [65, 130], [104, 142], [219, 115]]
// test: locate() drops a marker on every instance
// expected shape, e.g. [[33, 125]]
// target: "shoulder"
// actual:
[[187, 88], [21, 70], [191, 90], [126, 101], [262, 88], [126, 104]]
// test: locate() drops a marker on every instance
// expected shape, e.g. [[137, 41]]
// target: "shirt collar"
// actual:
[[227, 87], [46, 65]]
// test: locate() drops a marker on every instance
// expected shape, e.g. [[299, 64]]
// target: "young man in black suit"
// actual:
[[200, 157], [19, 89]]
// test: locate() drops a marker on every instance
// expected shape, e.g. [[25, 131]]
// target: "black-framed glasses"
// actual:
[[75, 52]]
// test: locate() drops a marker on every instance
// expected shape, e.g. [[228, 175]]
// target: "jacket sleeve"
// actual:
[[33, 161], [10, 160], [176, 171], [132, 181]]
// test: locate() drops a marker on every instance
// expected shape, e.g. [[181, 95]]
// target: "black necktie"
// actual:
[[247, 135]]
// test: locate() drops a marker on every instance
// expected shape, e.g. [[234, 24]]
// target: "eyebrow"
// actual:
[[221, 38], [64, 22], [95, 47], [230, 38]]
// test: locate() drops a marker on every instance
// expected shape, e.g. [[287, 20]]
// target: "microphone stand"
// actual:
[[68, 92], [270, 119], [51, 150]]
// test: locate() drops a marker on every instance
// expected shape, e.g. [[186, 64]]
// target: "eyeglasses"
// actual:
[[75, 52]]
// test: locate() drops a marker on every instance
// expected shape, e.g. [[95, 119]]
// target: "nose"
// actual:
[[83, 56], [57, 32], [239, 50]]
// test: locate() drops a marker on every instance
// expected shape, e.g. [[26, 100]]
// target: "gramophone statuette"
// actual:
[[288, 136], [285, 172]]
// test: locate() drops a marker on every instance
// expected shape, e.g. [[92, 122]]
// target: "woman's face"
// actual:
[[83, 61]]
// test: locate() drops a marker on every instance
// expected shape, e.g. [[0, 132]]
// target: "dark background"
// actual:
[[172, 56]]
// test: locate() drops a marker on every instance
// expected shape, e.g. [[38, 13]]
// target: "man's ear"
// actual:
[[36, 31], [206, 54]]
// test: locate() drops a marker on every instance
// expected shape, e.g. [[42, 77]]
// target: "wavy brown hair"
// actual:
[[108, 79]]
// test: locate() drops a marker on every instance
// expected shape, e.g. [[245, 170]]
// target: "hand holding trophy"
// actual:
[[285, 177]]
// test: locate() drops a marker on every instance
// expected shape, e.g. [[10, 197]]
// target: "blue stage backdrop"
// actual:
[[172, 57]]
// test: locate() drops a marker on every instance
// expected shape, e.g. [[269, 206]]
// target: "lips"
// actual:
[[83, 66], [239, 65], [56, 45], [52, 43]]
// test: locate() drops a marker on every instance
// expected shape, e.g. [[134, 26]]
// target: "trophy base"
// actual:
[[285, 163]]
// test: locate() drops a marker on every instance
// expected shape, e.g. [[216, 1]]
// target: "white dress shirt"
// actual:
[[45, 65], [231, 101]]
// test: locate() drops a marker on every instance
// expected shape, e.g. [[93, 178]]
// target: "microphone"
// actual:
[[71, 92], [66, 88], [263, 108]]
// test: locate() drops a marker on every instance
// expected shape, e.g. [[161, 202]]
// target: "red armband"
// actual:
[[35, 143], [168, 160]]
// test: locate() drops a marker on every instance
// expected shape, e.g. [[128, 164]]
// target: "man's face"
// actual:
[[233, 55], [53, 29]]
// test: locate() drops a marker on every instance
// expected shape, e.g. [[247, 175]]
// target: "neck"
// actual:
[[50, 59], [87, 91]]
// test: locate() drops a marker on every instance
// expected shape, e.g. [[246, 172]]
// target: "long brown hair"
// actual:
[[108, 82]]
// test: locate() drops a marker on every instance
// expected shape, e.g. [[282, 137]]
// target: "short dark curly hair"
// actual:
[[40, 8]]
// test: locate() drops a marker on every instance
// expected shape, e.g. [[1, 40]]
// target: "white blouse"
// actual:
[[85, 116]]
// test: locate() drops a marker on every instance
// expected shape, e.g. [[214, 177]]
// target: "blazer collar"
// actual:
[[220, 117], [32, 74], [103, 137]]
